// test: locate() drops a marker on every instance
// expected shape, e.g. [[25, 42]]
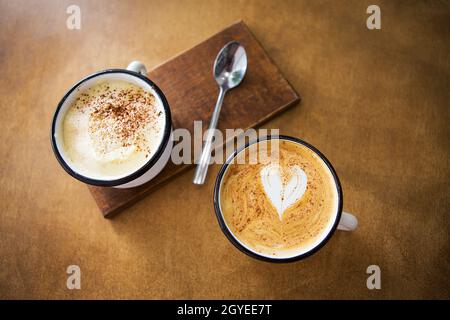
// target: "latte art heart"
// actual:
[[283, 195]]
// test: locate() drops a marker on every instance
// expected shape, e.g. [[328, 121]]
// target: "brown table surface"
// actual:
[[375, 102]]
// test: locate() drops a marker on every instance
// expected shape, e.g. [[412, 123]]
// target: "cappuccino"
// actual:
[[282, 206], [112, 129]]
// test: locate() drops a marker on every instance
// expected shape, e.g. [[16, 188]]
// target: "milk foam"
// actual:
[[283, 190], [112, 129]]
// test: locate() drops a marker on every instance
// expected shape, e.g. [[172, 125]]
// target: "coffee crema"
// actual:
[[112, 129], [281, 206]]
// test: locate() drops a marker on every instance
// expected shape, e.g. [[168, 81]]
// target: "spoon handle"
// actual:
[[203, 163]]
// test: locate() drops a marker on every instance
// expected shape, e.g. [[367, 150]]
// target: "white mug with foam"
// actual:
[[135, 74], [274, 189]]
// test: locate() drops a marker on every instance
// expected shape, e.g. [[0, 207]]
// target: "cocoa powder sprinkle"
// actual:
[[120, 115]]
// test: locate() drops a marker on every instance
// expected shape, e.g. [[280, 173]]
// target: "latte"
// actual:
[[112, 129], [281, 206]]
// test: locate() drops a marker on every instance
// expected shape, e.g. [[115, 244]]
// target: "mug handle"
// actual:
[[348, 222], [138, 67]]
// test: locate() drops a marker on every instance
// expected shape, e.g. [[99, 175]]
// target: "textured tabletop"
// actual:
[[375, 102]]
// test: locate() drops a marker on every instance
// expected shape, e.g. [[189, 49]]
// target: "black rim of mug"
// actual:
[[149, 164], [230, 235]]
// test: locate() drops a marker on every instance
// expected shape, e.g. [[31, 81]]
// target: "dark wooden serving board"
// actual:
[[191, 91]]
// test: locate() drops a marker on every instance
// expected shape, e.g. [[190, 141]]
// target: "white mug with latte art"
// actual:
[[113, 128], [282, 208]]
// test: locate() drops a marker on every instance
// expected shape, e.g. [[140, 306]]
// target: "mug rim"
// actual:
[[234, 240], [135, 174]]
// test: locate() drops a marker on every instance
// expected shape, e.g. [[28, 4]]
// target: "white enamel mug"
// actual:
[[136, 74], [341, 220]]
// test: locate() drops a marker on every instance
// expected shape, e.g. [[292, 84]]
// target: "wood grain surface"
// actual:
[[191, 91], [375, 102]]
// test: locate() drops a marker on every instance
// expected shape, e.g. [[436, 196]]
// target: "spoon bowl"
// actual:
[[230, 65]]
